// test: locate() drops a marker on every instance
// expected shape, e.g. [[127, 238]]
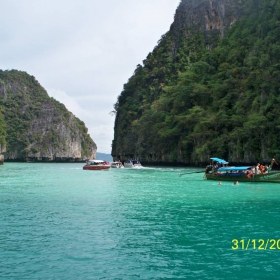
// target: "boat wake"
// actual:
[[168, 169]]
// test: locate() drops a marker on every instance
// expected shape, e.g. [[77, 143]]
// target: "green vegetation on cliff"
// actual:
[[198, 96], [35, 126], [2, 131]]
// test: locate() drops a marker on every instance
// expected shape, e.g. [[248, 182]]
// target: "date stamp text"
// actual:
[[255, 244]]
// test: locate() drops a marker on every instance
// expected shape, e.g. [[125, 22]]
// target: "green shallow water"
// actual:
[[58, 221]]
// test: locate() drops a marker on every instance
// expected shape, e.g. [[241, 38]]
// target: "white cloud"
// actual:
[[82, 52]]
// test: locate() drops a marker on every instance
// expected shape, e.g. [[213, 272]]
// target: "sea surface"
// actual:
[[58, 221]]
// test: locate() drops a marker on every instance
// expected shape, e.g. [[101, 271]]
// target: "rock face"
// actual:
[[212, 17], [59, 139], [209, 88], [40, 128]]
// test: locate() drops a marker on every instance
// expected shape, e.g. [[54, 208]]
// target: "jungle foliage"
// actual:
[[196, 103]]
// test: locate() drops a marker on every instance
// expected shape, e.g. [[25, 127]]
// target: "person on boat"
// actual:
[[261, 167], [269, 168], [258, 169], [216, 166], [208, 169]]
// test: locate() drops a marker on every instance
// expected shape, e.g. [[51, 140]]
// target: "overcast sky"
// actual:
[[83, 51]]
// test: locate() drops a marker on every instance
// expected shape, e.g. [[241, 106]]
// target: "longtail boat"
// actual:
[[219, 171]]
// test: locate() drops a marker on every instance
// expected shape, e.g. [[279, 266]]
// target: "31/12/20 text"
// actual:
[[256, 244]]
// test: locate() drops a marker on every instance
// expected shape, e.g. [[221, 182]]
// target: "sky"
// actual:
[[83, 51]]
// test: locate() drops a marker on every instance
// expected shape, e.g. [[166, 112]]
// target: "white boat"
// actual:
[[132, 164], [116, 164]]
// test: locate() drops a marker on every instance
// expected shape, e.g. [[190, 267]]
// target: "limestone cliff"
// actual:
[[197, 24], [38, 127], [209, 88]]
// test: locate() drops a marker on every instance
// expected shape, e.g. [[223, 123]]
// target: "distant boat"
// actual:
[[96, 164], [116, 164], [219, 171], [132, 164]]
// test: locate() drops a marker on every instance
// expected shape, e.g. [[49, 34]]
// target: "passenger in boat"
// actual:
[[261, 167], [208, 169], [268, 169], [216, 166], [258, 169]]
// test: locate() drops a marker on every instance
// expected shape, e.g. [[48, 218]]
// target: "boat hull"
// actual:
[[272, 177]]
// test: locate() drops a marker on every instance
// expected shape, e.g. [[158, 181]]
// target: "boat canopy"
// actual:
[[219, 160], [233, 168], [96, 160]]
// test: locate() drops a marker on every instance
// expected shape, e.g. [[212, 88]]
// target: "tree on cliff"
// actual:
[[2, 132]]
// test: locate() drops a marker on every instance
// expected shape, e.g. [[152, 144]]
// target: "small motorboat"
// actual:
[[96, 164], [132, 164], [116, 164]]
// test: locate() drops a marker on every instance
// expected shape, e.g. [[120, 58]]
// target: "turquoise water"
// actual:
[[58, 221]]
